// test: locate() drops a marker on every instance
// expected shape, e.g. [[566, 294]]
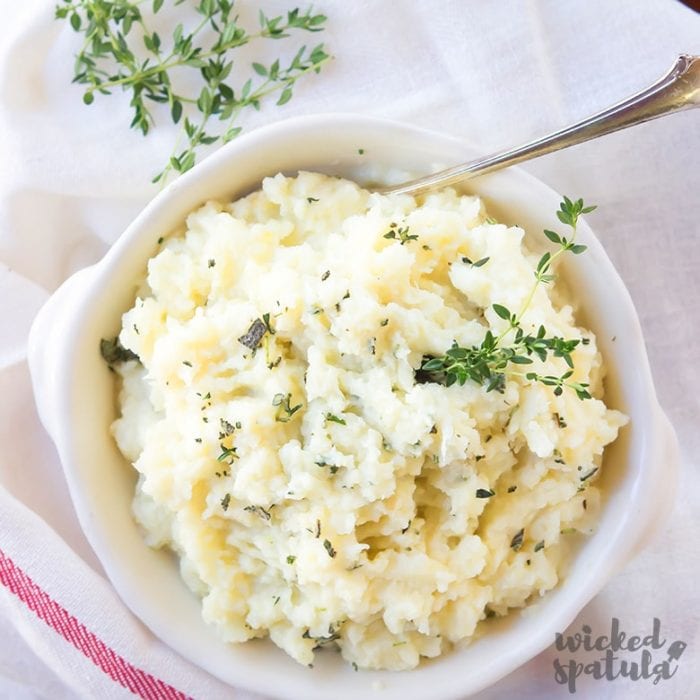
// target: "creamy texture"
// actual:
[[354, 519]]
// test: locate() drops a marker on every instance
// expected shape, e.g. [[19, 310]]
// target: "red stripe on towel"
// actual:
[[72, 630]]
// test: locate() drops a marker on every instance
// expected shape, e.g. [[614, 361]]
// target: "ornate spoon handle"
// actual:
[[679, 89]]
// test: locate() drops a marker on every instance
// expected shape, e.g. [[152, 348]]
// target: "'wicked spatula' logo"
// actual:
[[651, 660]]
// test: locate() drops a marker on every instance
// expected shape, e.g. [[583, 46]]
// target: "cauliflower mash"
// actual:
[[315, 487]]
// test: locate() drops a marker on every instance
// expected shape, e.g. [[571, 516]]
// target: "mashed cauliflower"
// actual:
[[314, 490]]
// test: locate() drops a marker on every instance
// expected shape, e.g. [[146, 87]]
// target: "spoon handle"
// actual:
[[679, 89]]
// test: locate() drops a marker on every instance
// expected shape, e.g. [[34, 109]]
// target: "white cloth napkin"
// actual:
[[72, 177]]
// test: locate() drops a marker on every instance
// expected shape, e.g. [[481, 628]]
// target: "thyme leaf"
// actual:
[[113, 351], [492, 361]]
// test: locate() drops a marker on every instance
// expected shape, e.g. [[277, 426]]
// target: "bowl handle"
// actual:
[[46, 338]]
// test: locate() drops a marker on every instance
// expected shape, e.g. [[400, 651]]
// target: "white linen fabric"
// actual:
[[72, 177]]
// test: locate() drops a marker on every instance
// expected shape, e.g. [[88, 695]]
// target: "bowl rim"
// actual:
[[52, 382]]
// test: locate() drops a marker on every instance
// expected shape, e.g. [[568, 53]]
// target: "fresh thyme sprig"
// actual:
[[492, 361], [122, 51]]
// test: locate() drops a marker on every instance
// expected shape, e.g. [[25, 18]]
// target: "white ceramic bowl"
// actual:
[[75, 395]]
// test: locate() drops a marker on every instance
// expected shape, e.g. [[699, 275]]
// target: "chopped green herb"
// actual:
[[113, 351], [589, 474], [291, 559], [285, 411], [478, 263], [311, 200], [211, 262], [512, 488], [160, 240], [251, 339], [560, 421], [333, 468], [517, 542], [361, 151], [568, 531], [229, 453], [226, 429], [187, 363], [384, 322], [539, 545], [259, 510], [277, 600], [400, 234], [325, 275], [225, 501], [329, 548], [485, 493], [334, 419], [332, 636]]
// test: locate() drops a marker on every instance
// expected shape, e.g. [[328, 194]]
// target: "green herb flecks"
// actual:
[[491, 362], [259, 510], [332, 636], [334, 419], [478, 263], [589, 474], [285, 410], [332, 468], [225, 501], [329, 548], [113, 352], [517, 542], [485, 493], [121, 51], [228, 454], [254, 335], [400, 233]]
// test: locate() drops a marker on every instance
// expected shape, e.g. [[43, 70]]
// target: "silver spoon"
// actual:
[[679, 89]]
